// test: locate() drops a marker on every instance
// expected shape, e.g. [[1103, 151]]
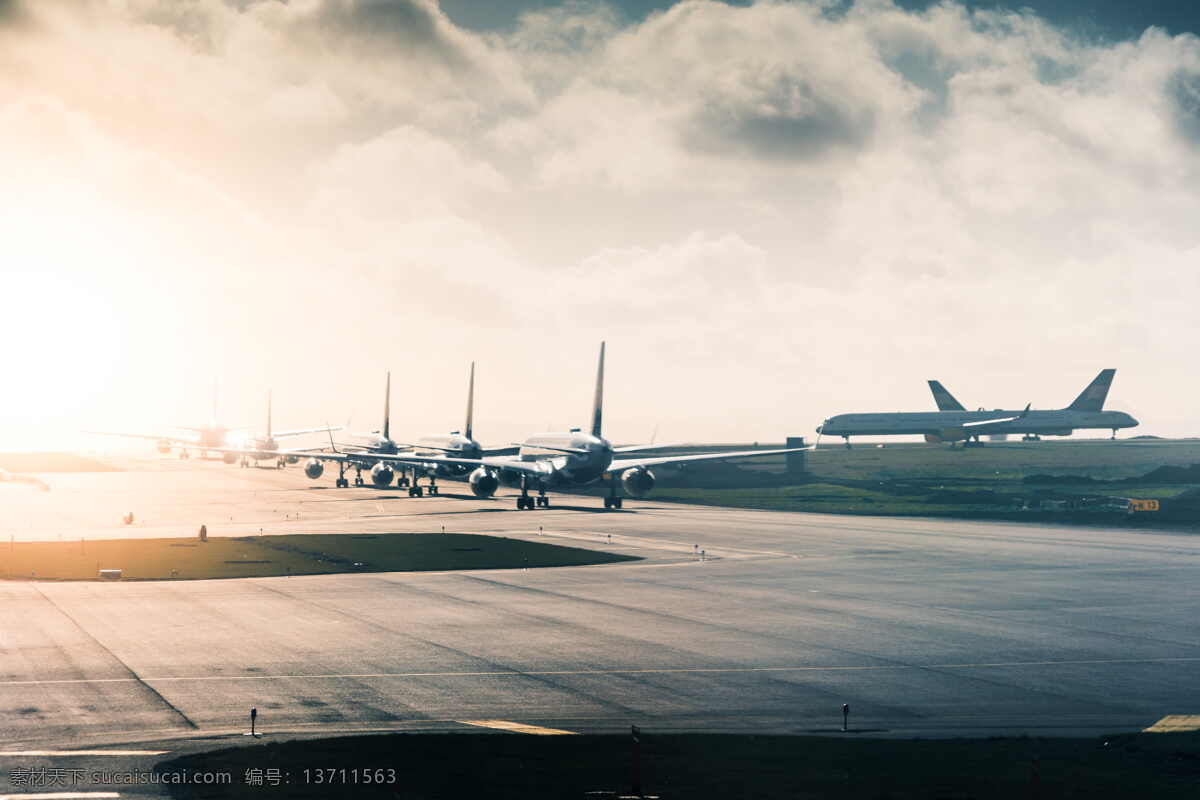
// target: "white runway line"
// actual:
[[515, 727]]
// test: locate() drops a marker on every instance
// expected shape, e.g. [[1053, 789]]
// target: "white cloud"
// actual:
[[819, 203]]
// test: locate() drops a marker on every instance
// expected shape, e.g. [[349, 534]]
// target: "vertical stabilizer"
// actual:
[[467, 431], [387, 407], [945, 401], [1092, 398], [598, 400]]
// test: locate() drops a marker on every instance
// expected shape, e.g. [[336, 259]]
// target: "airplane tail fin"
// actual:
[[945, 401], [598, 400], [1092, 398], [470, 404], [387, 407]]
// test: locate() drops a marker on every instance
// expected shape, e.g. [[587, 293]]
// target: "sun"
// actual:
[[62, 335]]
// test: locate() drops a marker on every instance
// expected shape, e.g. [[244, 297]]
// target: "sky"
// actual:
[[771, 211]]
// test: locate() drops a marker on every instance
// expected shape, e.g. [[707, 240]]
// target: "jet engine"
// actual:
[[381, 475], [163, 446], [313, 468], [484, 482], [637, 481], [229, 458]]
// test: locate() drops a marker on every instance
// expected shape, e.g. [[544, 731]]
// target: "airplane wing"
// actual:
[[619, 464], [286, 434], [639, 448], [150, 436], [996, 421]]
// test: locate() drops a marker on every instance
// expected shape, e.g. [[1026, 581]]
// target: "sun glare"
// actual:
[[62, 335]]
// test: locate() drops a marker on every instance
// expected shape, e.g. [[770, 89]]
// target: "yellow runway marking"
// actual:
[[57, 753], [1176, 723], [515, 727]]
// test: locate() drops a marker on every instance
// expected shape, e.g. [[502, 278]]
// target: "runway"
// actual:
[[924, 627]]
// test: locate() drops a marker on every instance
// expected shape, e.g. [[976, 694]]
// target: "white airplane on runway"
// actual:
[[266, 447], [552, 460], [1086, 412], [211, 437], [459, 444]]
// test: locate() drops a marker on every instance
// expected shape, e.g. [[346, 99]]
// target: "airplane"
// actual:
[[369, 455], [266, 448], [1087, 411], [459, 444], [212, 437], [546, 461]]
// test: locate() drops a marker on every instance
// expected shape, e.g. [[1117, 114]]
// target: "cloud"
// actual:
[[775, 189]]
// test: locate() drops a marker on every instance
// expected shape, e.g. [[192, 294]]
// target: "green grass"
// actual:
[[698, 766], [295, 554], [914, 479]]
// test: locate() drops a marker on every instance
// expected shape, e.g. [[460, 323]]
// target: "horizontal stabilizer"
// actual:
[[1092, 398]]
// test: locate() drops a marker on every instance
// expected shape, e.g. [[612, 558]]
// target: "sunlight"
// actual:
[[62, 334]]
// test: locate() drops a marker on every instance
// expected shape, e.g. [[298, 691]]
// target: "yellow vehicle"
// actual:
[[1142, 505]]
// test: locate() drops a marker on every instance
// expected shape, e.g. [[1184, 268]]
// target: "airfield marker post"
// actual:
[[635, 732], [845, 716], [253, 718]]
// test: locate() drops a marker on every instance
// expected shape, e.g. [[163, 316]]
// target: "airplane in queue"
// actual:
[[546, 461], [213, 437], [367, 455], [375, 456], [266, 447]]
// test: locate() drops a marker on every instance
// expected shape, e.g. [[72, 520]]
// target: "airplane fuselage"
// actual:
[[453, 445], [570, 458], [957, 425]]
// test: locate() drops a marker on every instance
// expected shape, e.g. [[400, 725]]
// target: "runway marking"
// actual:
[[515, 727], [1175, 723], [59, 796], [629, 671], [57, 753]]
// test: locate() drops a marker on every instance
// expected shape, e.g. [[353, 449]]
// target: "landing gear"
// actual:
[[611, 501], [1031, 437], [525, 502], [358, 478], [279, 462], [1114, 434], [541, 499], [183, 453], [973, 442], [342, 483], [433, 487], [402, 481], [847, 438], [416, 490], [243, 463]]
